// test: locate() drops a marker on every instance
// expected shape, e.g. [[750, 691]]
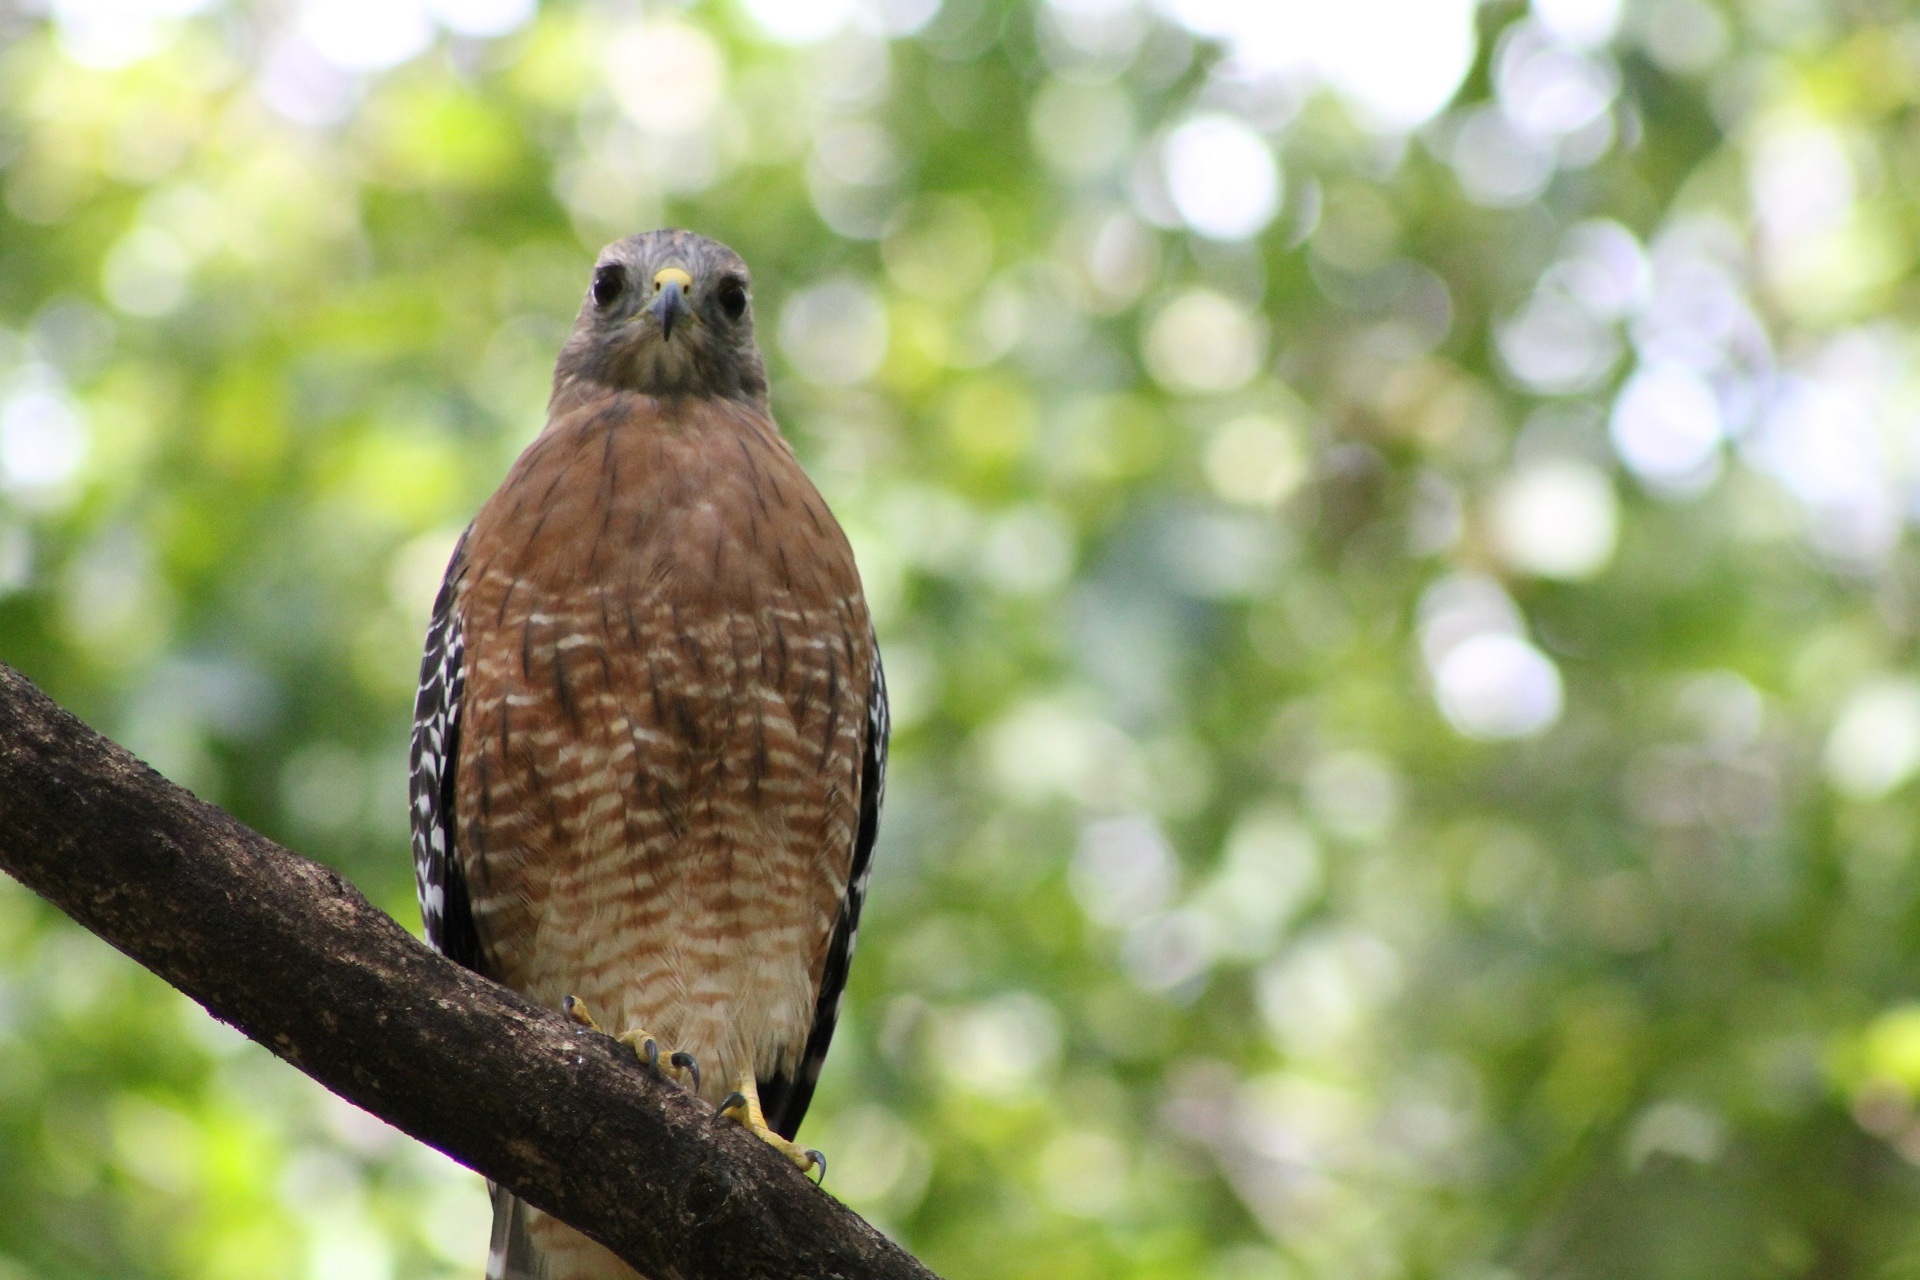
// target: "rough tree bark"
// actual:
[[295, 957]]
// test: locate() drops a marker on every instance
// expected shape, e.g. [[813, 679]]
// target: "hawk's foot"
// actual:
[[743, 1107], [645, 1045]]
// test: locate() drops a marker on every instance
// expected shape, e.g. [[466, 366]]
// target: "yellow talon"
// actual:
[[645, 1045], [743, 1107], [576, 1009]]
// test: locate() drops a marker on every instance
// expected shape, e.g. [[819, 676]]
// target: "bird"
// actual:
[[650, 739]]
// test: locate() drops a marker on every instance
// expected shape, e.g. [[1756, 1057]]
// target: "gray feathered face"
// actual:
[[667, 313]]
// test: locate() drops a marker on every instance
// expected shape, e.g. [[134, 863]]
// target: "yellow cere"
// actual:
[[674, 275]]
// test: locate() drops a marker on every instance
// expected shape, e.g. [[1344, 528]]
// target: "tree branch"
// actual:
[[294, 956]]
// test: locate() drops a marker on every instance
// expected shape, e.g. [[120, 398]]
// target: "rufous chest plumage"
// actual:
[[667, 694]]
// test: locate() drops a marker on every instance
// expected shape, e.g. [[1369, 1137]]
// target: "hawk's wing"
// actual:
[[437, 878], [785, 1099]]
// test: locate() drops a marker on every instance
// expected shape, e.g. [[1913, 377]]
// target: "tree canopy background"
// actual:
[[1388, 528]]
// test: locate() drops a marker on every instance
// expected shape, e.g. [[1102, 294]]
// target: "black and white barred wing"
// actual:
[[444, 906], [784, 1100]]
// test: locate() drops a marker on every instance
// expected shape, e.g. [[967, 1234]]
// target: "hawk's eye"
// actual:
[[733, 299], [608, 281]]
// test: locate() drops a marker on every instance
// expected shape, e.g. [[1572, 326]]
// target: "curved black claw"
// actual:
[[820, 1160], [648, 1050], [733, 1101], [576, 1009], [685, 1062]]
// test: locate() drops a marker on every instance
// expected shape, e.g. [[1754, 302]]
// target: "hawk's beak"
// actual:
[[671, 302]]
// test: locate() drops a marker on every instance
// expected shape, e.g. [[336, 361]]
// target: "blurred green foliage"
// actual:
[[1401, 635]]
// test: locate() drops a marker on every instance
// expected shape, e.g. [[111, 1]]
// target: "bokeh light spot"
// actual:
[[43, 441], [1204, 342], [1081, 129], [1222, 176], [1583, 24], [1556, 519], [1875, 743], [1084, 1174], [1255, 460], [482, 18], [1122, 869], [667, 76], [835, 333], [800, 21], [146, 273], [939, 247], [1666, 427], [1001, 1048], [1498, 686], [1396, 62], [366, 35]]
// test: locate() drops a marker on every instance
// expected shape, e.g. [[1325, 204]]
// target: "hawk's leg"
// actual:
[[644, 1044], [743, 1105]]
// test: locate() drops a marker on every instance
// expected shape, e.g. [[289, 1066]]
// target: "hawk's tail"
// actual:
[[511, 1254], [530, 1245]]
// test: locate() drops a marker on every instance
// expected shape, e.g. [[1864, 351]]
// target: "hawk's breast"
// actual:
[[668, 667]]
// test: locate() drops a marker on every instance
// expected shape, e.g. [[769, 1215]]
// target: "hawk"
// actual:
[[650, 741]]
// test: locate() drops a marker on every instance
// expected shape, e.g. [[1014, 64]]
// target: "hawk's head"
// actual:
[[667, 313]]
